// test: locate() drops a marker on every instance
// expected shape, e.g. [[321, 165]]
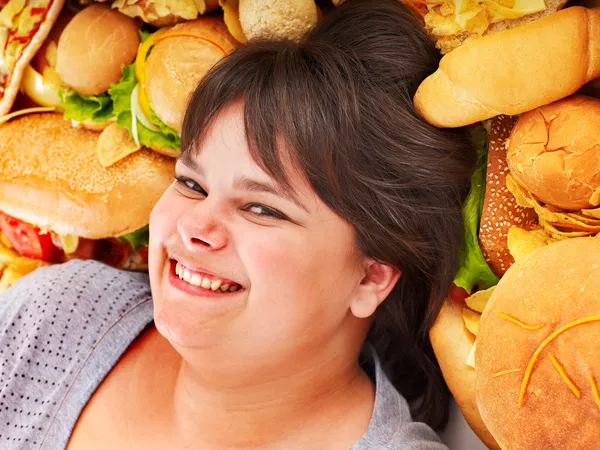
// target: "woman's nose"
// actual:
[[201, 228]]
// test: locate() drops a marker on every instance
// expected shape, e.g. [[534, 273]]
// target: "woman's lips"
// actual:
[[198, 285]]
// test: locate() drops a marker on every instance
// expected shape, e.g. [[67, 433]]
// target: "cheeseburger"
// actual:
[[58, 202], [537, 361]]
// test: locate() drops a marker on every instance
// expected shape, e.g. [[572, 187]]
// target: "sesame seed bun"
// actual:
[[50, 177], [548, 291], [93, 47], [554, 152], [500, 209], [177, 64]]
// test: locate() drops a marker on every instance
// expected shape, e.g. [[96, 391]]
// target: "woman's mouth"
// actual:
[[199, 282]]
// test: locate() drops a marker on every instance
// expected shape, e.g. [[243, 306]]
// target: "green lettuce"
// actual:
[[120, 93], [137, 239], [145, 34], [97, 108], [473, 269]]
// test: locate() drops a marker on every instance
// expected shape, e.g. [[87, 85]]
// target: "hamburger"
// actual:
[[537, 368], [134, 76], [58, 202]]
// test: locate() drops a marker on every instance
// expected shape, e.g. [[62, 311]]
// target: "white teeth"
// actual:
[[186, 275], [196, 280]]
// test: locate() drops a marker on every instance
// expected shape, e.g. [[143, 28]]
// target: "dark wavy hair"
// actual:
[[341, 99]]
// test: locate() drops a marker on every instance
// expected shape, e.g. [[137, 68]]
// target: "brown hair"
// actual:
[[341, 98]]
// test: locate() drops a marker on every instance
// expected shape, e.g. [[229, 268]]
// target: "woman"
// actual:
[[296, 265]]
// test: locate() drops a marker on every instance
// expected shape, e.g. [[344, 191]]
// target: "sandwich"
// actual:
[[513, 71], [454, 22], [57, 202], [24, 25]]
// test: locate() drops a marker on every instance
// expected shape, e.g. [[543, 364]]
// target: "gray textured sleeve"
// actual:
[[391, 426]]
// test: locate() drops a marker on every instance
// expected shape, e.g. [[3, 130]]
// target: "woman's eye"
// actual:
[[263, 211], [190, 184]]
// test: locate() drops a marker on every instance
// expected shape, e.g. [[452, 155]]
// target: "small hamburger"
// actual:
[[58, 202]]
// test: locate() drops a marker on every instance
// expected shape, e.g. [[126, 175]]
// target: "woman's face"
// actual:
[[235, 259]]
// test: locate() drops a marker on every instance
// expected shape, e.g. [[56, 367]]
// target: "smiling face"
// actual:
[[225, 225]]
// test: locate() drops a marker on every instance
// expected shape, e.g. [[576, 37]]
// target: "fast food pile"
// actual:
[[518, 338], [92, 97]]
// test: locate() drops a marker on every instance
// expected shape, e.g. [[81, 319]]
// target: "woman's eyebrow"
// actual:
[[190, 163], [249, 185]]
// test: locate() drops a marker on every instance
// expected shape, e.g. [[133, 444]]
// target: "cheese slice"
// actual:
[[521, 8]]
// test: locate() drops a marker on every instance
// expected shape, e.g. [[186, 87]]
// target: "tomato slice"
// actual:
[[143, 252], [457, 294], [27, 239]]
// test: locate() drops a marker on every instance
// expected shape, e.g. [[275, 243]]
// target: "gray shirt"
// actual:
[[63, 328]]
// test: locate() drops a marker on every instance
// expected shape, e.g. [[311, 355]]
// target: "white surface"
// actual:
[[458, 435]]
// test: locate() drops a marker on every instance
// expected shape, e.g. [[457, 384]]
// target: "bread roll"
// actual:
[[50, 177], [514, 71]]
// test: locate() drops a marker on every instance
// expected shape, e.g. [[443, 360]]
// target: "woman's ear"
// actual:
[[378, 281]]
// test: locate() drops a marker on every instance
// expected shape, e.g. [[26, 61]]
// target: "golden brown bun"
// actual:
[[11, 91], [554, 286], [513, 71], [176, 65], [452, 344], [500, 209], [92, 48], [554, 152], [50, 177]]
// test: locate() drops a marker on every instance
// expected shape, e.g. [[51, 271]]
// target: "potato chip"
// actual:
[[595, 198], [7, 255], [522, 242], [479, 299], [471, 358], [114, 144], [522, 197], [18, 268], [559, 235], [4, 240], [231, 16], [471, 319], [593, 212]]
